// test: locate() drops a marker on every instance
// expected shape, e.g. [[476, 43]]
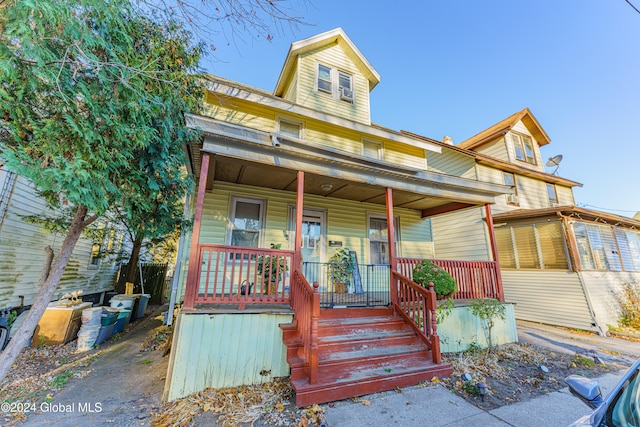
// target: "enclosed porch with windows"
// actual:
[[268, 221]]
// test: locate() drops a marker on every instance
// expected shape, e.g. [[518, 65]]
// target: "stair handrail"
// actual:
[[418, 306], [305, 302]]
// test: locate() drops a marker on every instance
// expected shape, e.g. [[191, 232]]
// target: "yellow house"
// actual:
[[288, 181]]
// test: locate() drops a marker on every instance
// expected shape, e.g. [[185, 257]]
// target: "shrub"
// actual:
[[444, 284]]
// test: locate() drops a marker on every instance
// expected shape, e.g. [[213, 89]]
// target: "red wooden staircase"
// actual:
[[360, 351]]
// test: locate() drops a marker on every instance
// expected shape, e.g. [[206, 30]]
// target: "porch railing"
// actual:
[[476, 279], [240, 275], [417, 306], [305, 302], [368, 287]]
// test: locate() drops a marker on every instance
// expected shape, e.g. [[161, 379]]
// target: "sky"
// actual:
[[456, 67]]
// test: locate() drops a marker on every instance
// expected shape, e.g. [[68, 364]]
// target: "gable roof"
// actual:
[[505, 125], [336, 36]]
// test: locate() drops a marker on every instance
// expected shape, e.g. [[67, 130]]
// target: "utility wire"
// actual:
[[631, 4], [585, 205]]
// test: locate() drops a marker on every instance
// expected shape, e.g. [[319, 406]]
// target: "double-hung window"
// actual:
[[523, 147], [246, 222], [509, 180], [336, 83], [553, 195]]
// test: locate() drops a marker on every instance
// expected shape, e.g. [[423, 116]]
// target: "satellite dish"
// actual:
[[554, 161]]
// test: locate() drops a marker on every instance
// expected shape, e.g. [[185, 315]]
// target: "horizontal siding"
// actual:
[[565, 195], [605, 289], [263, 118], [225, 350], [551, 297], [22, 254], [346, 220], [461, 235], [335, 57], [496, 149], [451, 163]]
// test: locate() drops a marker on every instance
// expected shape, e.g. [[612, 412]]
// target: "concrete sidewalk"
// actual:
[[436, 406]]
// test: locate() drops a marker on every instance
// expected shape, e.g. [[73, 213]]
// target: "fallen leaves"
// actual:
[[270, 402]]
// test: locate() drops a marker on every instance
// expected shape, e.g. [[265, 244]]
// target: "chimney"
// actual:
[[447, 140]]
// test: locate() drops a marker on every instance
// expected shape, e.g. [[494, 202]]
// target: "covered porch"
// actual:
[[223, 274]]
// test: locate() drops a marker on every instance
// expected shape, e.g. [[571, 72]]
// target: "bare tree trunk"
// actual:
[[133, 260], [47, 289]]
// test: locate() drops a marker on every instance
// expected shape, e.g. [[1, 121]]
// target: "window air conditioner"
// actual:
[[346, 94], [512, 198]]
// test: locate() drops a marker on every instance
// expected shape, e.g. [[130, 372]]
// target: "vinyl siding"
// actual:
[[451, 163], [22, 254], [217, 350], [565, 196], [461, 235], [605, 293], [346, 220], [497, 149], [264, 118], [334, 57], [551, 297]]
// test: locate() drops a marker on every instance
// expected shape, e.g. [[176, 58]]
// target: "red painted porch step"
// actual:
[[362, 352]]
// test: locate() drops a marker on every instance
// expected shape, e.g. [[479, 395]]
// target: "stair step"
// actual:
[[371, 355], [359, 325], [352, 342]]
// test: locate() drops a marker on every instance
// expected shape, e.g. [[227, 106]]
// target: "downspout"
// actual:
[[494, 250], [176, 271], [193, 272]]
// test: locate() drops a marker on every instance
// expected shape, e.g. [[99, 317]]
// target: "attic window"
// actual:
[[372, 149], [523, 147], [290, 128], [335, 83]]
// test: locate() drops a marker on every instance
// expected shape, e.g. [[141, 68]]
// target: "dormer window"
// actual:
[[523, 147], [335, 83]]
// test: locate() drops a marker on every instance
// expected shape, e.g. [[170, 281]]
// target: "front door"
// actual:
[[313, 242]]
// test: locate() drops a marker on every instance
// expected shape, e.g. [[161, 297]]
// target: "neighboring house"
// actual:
[[560, 264], [22, 249], [288, 179]]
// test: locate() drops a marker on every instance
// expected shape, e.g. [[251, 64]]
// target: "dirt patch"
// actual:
[[517, 372]]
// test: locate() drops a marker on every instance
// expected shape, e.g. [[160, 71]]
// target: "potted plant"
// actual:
[[271, 268], [340, 269], [443, 284]]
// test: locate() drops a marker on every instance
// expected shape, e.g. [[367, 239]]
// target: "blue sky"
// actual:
[[456, 67]]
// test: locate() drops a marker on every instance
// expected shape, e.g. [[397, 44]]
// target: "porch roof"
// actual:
[[569, 211], [251, 157]]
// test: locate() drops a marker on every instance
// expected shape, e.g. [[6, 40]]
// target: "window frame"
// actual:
[[518, 141], [290, 121], [233, 203], [334, 83], [396, 229], [514, 187], [607, 251], [554, 201], [379, 147]]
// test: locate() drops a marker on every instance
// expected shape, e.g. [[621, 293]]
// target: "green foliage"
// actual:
[[488, 310], [444, 284], [92, 100], [341, 267], [444, 310], [272, 267], [61, 379], [582, 361], [630, 306]]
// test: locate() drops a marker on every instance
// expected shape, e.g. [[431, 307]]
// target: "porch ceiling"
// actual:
[[244, 172]]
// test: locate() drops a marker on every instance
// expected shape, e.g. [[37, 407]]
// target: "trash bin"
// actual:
[[142, 305], [122, 301], [122, 321]]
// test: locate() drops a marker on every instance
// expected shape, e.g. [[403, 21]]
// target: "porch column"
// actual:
[[494, 250], [392, 247], [193, 271], [299, 211]]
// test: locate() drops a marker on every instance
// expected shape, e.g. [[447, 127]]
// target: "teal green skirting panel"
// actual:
[[225, 350], [462, 329]]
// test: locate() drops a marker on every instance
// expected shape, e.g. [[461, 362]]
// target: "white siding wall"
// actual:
[[461, 235], [22, 254], [552, 297], [497, 149], [565, 196], [605, 293]]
